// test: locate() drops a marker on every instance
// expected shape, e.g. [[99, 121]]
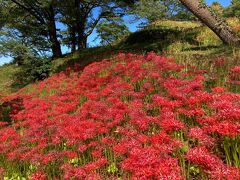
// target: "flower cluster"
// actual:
[[131, 116]]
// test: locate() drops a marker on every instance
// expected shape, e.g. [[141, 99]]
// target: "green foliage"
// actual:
[[164, 33], [81, 17], [20, 30], [206, 37], [233, 10], [12, 46], [217, 8], [32, 69], [111, 31], [178, 47], [176, 25], [153, 10], [6, 78]]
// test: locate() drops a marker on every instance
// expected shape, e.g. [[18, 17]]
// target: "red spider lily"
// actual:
[[211, 164], [38, 176], [236, 70], [219, 62], [149, 163], [131, 116], [218, 89], [199, 134], [202, 157]]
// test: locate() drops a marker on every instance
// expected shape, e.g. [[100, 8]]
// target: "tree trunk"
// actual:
[[81, 38], [73, 39], [78, 23], [80, 32], [82, 41], [215, 23], [52, 30]]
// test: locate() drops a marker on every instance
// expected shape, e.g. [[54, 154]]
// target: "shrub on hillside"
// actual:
[[32, 69]]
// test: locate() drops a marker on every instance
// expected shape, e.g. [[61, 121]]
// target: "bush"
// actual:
[[32, 69]]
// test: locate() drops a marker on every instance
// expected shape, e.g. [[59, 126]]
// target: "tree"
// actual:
[[154, 10], [234, 9], [44, 13], [20, 36], [81, 18], [111, 31], [12, 46], [213, 21], [34, 21]]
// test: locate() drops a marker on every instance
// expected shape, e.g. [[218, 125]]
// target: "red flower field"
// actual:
[[129, 117]]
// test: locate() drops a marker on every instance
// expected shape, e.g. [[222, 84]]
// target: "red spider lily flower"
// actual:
[[225, 172], [97, 153], [39, 175], [236, 70], [148, 163], [202, 157], [198, 133], [218, 89], [170, 125], [219, 62], [82, 148], [95, 165], [108, 141]]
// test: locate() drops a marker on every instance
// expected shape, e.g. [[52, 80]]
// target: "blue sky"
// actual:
[[132, 27], [223, 2]]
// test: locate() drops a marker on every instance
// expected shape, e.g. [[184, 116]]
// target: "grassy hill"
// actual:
[[130, 115], [187, 42]]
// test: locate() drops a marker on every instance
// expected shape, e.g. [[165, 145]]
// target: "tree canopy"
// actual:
[[234, 9], [35, 22]]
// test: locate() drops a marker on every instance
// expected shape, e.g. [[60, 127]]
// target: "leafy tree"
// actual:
[[33, 24], [11, 47], [233, 10], [111, 31], [35, 21], [81, 18], [154, 10]]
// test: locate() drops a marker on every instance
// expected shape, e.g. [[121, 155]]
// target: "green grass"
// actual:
[[168, 24], [6, 78]]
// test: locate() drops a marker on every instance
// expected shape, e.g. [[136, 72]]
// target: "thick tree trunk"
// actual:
[[80, 32], [215, 23], [82, 41], [52, 30], [81, 38]]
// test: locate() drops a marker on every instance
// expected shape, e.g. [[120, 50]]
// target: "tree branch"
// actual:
[[33, 13]]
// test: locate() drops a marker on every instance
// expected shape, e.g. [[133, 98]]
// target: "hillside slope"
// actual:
[[130, 116], [187, 42]]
